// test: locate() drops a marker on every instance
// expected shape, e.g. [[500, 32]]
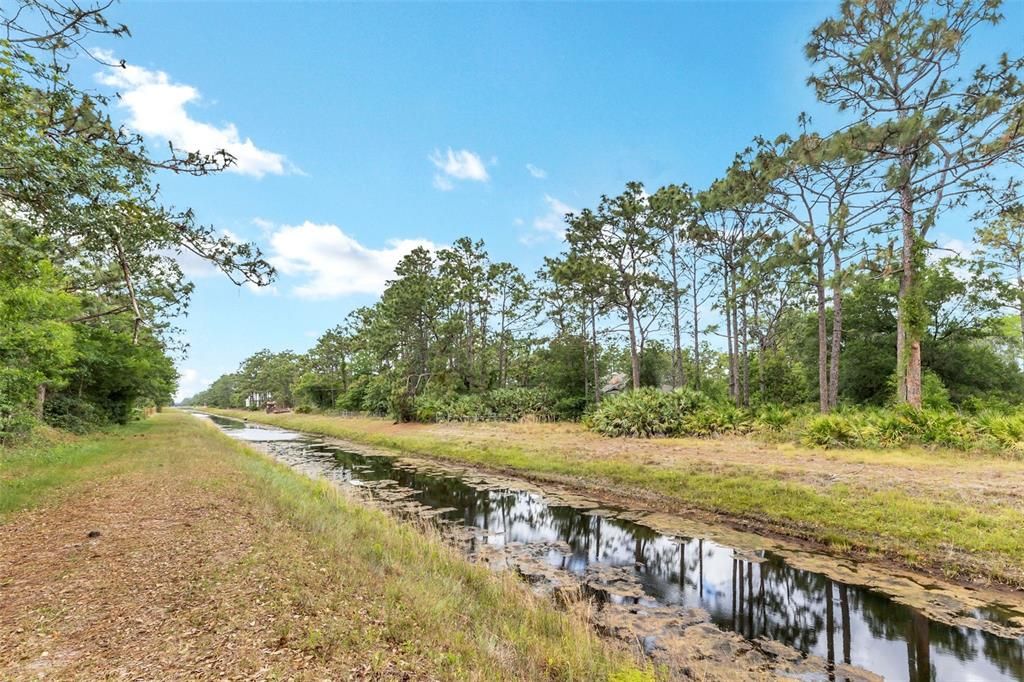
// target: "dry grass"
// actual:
[[214, 562]]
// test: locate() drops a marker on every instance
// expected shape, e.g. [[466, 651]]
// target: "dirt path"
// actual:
[[183, 558], [159, 592]]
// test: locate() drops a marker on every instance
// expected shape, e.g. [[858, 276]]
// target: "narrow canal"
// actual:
[[759, 595]]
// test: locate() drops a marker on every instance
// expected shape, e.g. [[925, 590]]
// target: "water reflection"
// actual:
[[756, 596]]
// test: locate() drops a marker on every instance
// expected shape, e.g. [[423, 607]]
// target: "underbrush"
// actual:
[[502, 404], [648, 412]]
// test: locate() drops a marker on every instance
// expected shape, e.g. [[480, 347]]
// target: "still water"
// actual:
[[759, 596]]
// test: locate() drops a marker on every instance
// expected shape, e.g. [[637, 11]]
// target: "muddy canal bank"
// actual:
[[691, 594]]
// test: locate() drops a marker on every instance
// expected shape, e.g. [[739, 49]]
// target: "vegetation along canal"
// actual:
[[761, 595]]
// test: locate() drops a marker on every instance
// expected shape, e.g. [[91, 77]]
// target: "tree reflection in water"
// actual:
[[756, 596]]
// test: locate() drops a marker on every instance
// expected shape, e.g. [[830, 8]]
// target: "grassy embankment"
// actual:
[[213, 560], [953, 513]]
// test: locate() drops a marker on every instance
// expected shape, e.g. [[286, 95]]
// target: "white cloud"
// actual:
[[267, 290], [189, 383], [459, 164], [334, 264], [549, 225], [157, 108], [536, 172], [266, 226], [949, 247]]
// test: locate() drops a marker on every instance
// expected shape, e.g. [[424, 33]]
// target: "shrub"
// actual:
[[377, 396], [934, 394], [428, 407], [774, 418], [352, 399], [571, 408], [512, 404], [715, 421], [502, 404], [832, 430], [649, 412], [68, 412]]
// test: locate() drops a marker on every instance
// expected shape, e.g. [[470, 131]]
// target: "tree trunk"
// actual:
[[593, 341], [583, 344], [40, 400], [745, 355], [634, 356], [1020, 306], [819, 286], [502, 381], [908, 331], [737, 396], [696, 329], [837, 330], [678, 378], [729, 340]]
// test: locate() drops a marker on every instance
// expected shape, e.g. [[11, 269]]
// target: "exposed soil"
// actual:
[[162, 577]]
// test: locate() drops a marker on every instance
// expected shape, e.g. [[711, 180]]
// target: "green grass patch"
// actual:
[[31, 472], [366, 586]]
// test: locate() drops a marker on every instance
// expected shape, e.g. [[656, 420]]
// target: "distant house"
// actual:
[[257, 399]]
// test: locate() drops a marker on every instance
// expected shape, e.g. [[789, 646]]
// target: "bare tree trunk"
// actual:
[[40, 400], [634, 356], [908, 341], [837, 329], [583, 339], [819, 286], [760, 353], [696, 329], [729, 334], [737, 390], [593, 342], [502, 381], [1020, 305], [678, 377], [745, 356], [127, 274]]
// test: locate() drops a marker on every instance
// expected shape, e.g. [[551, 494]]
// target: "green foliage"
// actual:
[[376, 398], [503, 404], [774, 418], [90, 279], [903, 425], [648, 412], [831, 430], [352, 399]]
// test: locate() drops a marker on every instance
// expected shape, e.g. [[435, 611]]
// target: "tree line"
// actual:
[[811, 261], [90, 280]]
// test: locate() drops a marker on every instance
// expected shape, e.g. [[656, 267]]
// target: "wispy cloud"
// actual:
[[460, 164], [331, 263], [550, 224], [189, 383], [536, 172], [157, 108]]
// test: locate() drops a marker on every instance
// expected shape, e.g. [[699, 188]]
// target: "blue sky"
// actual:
[[365, 129]]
